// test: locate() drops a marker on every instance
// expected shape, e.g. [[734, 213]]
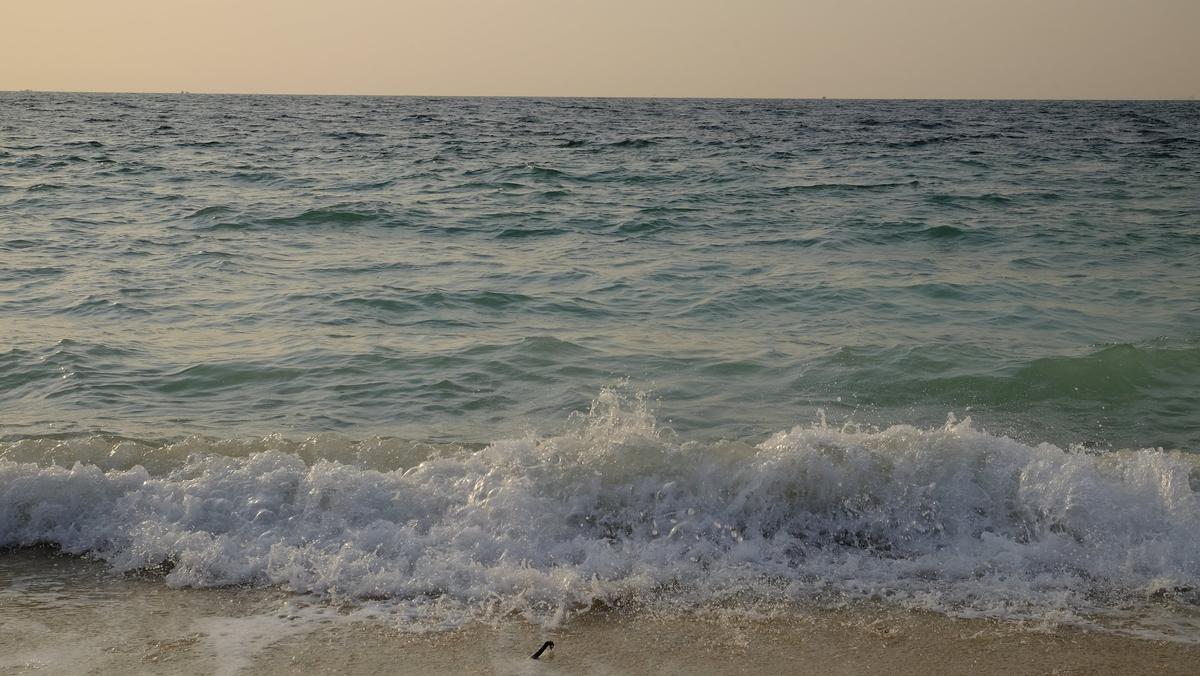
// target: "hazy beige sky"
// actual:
[[751, 48]]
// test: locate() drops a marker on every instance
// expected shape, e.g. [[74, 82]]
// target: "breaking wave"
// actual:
[[617, 509]]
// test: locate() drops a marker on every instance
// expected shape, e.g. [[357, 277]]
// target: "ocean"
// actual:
[[479, 359]]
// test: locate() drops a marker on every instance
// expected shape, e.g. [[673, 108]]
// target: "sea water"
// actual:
[[482, 358]]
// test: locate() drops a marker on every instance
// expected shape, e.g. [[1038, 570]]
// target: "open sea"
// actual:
[[461, 359]]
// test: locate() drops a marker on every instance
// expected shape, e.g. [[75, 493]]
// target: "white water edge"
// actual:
[[618, 510]]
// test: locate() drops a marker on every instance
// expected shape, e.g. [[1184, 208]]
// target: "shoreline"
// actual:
[[824, 642], [64, 614]]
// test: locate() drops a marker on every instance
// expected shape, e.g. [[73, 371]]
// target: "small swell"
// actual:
[[525, 233], [817, 187], [633, 143], [327, 216], [353, 135], [944, 232]]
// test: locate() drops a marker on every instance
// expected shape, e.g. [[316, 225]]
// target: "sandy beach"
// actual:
[[820, 643]]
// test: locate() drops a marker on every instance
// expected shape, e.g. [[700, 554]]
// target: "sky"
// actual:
[[1105, 49]]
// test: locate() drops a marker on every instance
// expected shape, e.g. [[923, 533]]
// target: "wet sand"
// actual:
[[821, 643], [68, 615]]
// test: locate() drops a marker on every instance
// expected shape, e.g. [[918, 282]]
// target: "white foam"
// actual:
[[951, 519]]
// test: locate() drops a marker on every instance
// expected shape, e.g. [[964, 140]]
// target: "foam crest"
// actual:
[[616, 509]]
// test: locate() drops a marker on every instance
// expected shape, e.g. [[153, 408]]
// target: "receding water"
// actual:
[[350, 345]]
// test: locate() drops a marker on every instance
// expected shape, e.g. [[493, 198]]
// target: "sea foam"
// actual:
[[617, 510]]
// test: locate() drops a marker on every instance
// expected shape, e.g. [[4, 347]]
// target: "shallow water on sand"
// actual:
[[68, 615]]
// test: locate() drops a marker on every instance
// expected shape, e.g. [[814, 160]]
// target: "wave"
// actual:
[[633, 143], [785, 190], [352, 135], [210, 217], [96, 305], [546, 172], [943, 232], [1113, 374], [618, 509], [340, 214], [411, 300], [963, 201], [523, 233]]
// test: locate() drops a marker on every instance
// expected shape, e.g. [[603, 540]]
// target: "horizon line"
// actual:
[[1192, 99]]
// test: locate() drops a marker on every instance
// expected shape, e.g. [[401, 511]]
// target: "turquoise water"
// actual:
[[596, 316], [462, 268]]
